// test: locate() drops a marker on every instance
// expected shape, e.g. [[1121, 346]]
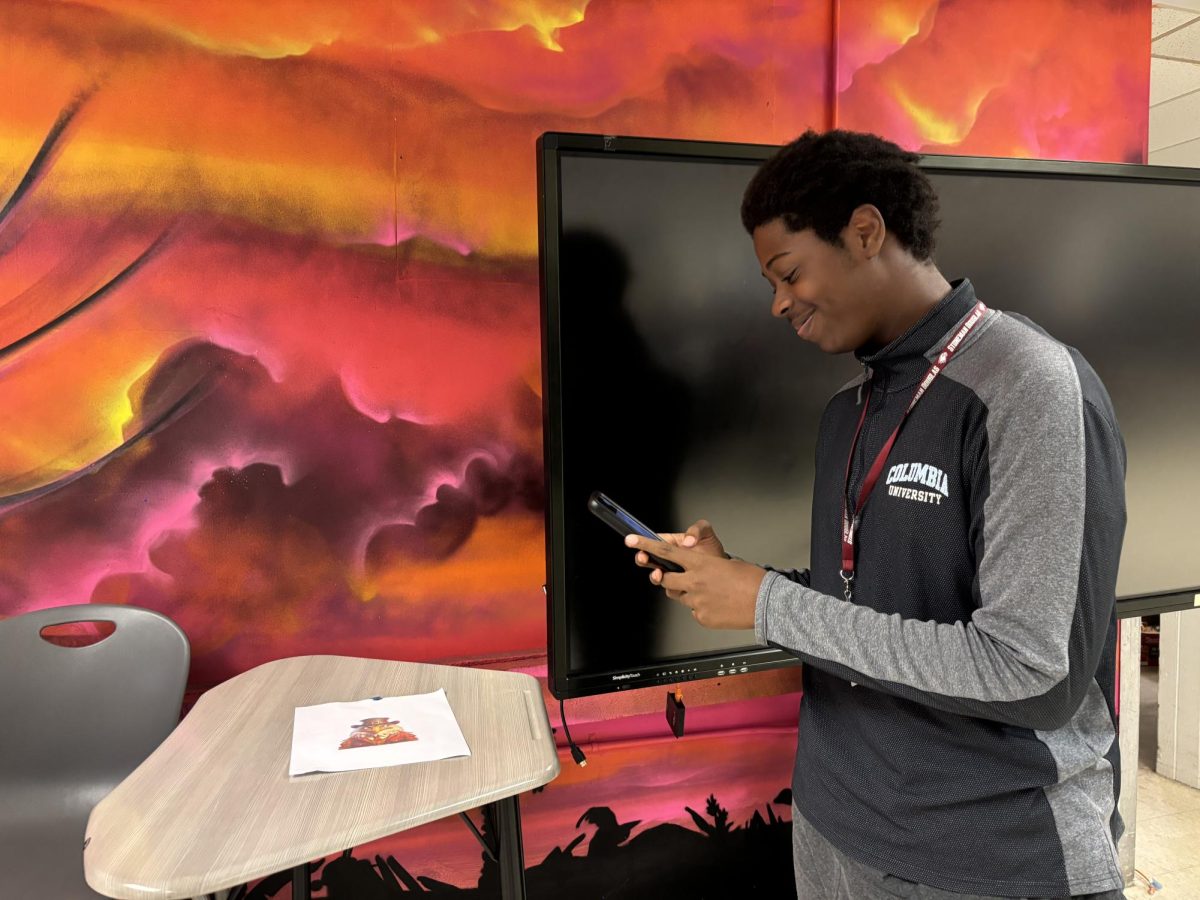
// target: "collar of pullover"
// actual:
[[906, 359]]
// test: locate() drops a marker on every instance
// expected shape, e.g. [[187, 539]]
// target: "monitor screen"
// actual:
[[670, 387]]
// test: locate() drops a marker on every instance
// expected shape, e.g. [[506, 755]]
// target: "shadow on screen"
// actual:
[[626, 433]]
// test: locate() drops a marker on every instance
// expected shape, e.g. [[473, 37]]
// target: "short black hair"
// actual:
[[818, 180]]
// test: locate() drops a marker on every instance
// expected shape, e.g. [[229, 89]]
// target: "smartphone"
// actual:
[[609, 512]]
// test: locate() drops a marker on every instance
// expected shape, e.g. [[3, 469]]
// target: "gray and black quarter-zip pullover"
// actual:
[[958, 726]]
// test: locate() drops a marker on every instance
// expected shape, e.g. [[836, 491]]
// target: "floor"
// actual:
[[1168, 817]]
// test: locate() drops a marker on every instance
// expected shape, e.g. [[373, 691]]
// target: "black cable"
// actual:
[[576, 753]]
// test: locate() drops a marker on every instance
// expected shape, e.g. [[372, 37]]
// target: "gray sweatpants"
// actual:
[[825, 873]]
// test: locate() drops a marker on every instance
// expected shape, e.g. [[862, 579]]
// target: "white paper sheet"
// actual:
[[368, 734]]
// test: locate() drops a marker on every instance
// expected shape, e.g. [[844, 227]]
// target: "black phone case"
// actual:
[[600, 506]]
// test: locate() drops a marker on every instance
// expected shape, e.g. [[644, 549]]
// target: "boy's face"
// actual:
[[825, 292]]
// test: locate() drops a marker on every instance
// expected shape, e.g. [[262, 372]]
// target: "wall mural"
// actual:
[[269, 321]]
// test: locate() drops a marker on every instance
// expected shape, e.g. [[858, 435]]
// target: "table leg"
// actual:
[[300, 883], [506, 826]]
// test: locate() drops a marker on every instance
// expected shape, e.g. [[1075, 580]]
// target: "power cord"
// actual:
[[1152, 886], [577, 754]]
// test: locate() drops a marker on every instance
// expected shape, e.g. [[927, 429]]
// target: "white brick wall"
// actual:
[[1175, 84]]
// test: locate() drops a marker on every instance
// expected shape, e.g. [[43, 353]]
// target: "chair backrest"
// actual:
[[79, 719]]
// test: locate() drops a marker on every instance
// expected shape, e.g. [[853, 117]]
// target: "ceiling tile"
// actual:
[[1181, 44], [1169, 79]]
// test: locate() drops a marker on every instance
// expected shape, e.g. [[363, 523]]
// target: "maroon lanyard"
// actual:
[[850, 526]]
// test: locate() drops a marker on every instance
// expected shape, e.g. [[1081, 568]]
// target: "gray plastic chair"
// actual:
[[76, 721]]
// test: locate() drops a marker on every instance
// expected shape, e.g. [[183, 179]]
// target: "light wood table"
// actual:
[[213, 807]]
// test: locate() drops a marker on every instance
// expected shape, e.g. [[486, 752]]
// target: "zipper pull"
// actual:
[[866, 380]]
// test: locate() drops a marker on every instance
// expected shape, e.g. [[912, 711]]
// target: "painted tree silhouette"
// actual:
[[719, 815]]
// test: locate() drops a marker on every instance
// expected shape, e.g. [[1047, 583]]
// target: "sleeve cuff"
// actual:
[[762, 606]]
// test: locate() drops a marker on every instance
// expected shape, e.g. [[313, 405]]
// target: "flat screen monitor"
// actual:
[[668, 385]]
